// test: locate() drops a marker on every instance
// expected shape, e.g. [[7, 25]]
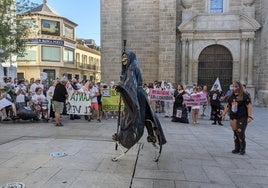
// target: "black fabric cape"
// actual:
[[137, 110]]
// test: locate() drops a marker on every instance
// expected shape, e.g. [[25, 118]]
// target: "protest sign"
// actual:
[[194, 100], [110, 100], [78, 103], [161, 95]]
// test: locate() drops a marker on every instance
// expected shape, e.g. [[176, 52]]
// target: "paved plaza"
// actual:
[[195, 156]]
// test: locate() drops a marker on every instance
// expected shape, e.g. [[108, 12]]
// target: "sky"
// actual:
[[85, 13]]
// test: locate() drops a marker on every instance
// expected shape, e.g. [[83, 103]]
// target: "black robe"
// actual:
[[137, 109]]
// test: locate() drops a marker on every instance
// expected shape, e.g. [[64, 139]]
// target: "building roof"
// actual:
[[46, 10]]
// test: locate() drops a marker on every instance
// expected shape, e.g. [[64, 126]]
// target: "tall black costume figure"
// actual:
[[137, 112]]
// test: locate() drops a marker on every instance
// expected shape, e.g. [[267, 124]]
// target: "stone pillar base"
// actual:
[[262, 98], [251, 91]]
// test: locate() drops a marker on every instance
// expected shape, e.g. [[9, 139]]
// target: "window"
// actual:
[[68, 56], [50, 53], [51, 75], [216, 6], [49, 27], [69, 76], [84, 77], [20, 75], [29, 55], [69, 31]]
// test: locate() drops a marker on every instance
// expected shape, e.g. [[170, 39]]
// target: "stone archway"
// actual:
[[215, 61]]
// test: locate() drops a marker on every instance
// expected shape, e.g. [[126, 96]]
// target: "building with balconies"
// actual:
[[52, 50]]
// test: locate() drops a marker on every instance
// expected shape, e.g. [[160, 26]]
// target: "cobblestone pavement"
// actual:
[[195, 156]]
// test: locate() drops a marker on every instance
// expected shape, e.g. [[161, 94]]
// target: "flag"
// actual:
[[217, 81]]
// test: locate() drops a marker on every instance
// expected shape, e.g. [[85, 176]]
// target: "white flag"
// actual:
[[218, 83]]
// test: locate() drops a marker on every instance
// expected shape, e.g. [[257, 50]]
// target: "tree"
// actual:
[[12, 28]]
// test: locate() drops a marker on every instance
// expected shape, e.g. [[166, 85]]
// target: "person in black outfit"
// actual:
[[240, 111], [178, 104], [59, 97], [215, 102]]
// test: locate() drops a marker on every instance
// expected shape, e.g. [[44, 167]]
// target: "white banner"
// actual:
[[78, 103]]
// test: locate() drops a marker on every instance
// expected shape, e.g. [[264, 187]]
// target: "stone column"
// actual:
[[183, 61], [190, 61], [242, 60], [250, 61]]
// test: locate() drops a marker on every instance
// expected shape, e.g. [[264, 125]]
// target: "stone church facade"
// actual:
[[189, 41]]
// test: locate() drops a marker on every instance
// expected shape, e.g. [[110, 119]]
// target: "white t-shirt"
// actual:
[[92, 92], [20, 97], [39, 98], [34, 86], [50, 90]]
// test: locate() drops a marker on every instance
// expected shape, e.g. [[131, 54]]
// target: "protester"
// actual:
[[10, 89], [168, 105], [50, 93], [178, 98], [239, 108], [179, 109], [94, 93], [37, 83], [99, 99], [215, 102], [74, 86], [5, 104], [59, 97], [195, 108], [228, 93], [37, 100], [21, 94], [204, 104]]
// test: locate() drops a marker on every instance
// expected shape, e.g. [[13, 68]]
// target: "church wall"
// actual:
[[167, 36], [141, 30], [111, 39], [151, 31], [178, 43], [261, 53]]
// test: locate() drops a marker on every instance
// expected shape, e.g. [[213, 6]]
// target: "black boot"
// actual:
[[237, 144], [242, 142], [219, 122], [242, 147]]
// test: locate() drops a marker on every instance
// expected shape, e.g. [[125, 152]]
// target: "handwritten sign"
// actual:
[[78, 103], [194, 100], [161, 95]]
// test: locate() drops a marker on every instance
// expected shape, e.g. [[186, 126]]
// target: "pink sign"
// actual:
[[194, 100]]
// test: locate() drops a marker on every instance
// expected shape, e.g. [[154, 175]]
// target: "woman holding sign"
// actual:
[[179, 109]]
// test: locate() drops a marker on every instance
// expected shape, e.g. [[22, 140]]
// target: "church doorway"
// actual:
[[214, 62]]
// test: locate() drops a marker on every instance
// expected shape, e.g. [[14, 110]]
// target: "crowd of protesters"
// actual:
[[17, 93]]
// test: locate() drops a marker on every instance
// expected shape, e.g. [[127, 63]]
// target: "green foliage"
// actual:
[[12, 27]]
